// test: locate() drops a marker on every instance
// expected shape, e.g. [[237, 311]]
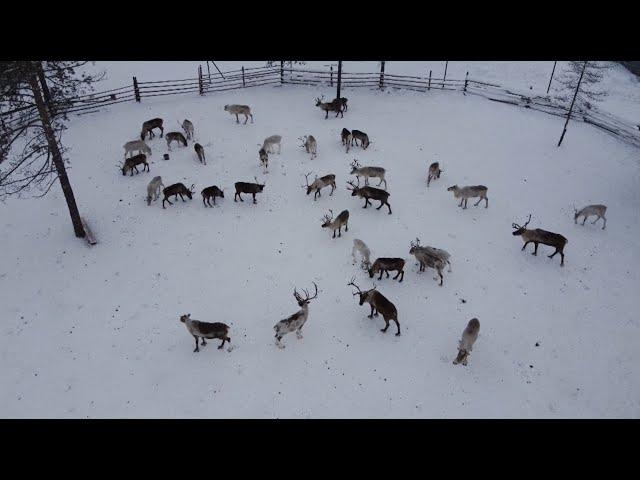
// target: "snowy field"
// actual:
[[95, 332]]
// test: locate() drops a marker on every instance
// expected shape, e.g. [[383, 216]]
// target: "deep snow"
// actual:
[[95, 332]]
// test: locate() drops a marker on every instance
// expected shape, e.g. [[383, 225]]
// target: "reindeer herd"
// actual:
[[426, 256]]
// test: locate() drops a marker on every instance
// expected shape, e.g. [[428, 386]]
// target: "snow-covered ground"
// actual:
[[95, 332]]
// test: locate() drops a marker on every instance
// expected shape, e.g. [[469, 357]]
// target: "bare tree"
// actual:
[[34, 97], [591, 90]]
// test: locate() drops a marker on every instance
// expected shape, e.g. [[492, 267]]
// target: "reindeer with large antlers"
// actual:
[[342, 219], [379, 304], [334, 106], [295, 322], [319, 183], [370, 193], [541, 236], [430, 257], [366, 172]]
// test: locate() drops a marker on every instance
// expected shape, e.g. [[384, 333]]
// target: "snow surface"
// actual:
[[95, 331]]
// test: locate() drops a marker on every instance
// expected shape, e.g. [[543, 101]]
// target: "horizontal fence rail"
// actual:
[[284, 75]]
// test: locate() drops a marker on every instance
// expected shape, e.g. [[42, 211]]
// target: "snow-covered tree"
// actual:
[[591, 89]]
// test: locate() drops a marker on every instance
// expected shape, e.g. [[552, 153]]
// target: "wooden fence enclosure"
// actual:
[[203, 84]]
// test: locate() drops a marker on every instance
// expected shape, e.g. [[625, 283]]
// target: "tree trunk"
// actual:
[[45, 89], [57, 157]]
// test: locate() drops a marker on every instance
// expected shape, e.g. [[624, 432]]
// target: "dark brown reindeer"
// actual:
[[149, 125], [329, 107], [252, 188], [176, 189], [544, 237], [379, 304], [342, 219], [209, 193], [370, 193], [347, 138], [384, 265], [175, 137], [319, 183], [434, 172], [130, 164], [363, 137], [342, 101], [206, 330], [200, 152]]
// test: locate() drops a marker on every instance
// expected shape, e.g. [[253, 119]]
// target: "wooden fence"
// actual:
[[281, 75]]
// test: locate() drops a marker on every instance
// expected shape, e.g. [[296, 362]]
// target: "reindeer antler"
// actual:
[[416, 244], [308, 299], [350, 182], [355, 163], [329, 217], [352, 282], [306, 179], [191, 188], [518, 227], [297, 295]]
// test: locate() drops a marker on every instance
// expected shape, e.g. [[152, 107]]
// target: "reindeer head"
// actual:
[[360, 293], [354, 166], [354, 190], [519, 230], [327, 219], [452, 188], [414, 246], [122, 166], [576, 214], [309, 187], [191, 191], [226, 107], [260, 185], [304, 301], [319, 100], [184, 318]]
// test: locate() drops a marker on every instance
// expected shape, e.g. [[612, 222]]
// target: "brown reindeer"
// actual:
[[245, 187], [384, 265], [130, 164], [379, 304], [544, 237], [329, 107], [175, 137], [200, 152], [342, 219], [319, 183], [206, 330], [176, 189], [149, 125], [370, 193], [434, 172], [209, 193]]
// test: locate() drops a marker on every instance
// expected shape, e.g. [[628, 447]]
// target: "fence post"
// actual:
[[331, 77], [552, 71], [381, 75], [339, 78], [466, 82], [281, 71], [243, 84], [429, 84], [200, 85], [446, 64], [136, 90]]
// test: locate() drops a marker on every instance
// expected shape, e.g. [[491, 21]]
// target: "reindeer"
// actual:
[[469, 337], [209, 193], [240, 109], [149, 125], [271, 142], [347, 138], [366, 172], [153, 189], [429, 257], [252, 188], [342, 219], [329, 107], [175, 137], [434, 172], [365, 253], [130, 164], [310, 145], [589, 210], [379, 304], [319, 183], [206, 330], [200, 152], [541, 236], [187, 126], [295, 322], [342, 101], [370, 193], [264, 159], [363, 137], [136, 146], [465, 193], [384, 265], [176, 189]]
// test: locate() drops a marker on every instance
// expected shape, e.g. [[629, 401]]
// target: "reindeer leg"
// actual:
[[525, 245], [561, 259], [197, 349], [584, 220], [203, 341], [371, 315], [381, 272], [346, 226], [237, 119], [386, 325], [381, 204], [222, 344], [340, 231], [334, 234], [397, 325], [254, 198], [389, 207], [299, 333], [486, 205], [182, 198], [554, 253], [594, 222], [246, 119], [461, 201], [476, 204], [535, 251], [605, 223]]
